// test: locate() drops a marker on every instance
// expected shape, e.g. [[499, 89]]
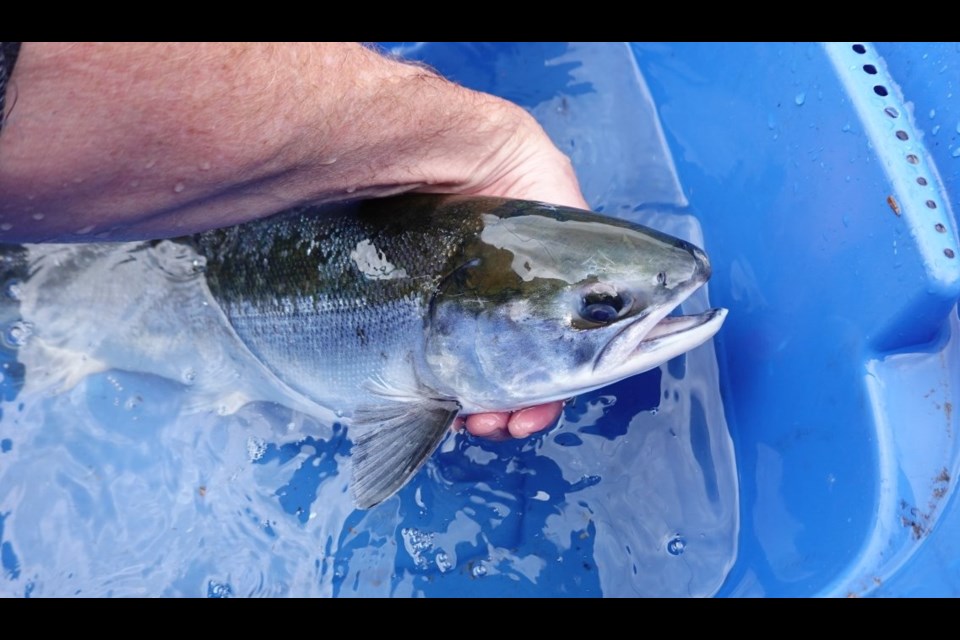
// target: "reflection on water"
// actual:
[[112, 488]]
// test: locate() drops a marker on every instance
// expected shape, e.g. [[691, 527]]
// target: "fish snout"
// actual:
[[703, 270]]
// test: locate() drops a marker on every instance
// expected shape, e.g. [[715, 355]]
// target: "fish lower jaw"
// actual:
[[693, 326], [670, 337]]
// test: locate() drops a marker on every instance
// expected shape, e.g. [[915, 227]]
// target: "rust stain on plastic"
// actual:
[[920, 521], [893, 204]]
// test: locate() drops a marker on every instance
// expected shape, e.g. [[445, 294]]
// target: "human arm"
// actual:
[[129, 141]]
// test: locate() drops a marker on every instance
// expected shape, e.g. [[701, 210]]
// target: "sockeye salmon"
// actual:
[[393, 315]]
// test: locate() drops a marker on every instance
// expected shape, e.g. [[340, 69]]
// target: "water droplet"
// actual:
[[84, 230], [179, 187], [935, 130], [654, 411], [956, 153], [189, 375], [351, 189], [479, 570], [800, 98], [150, 164], [17, 334], [204, 166], [219, 590], [845, 128], [133, 402], [6, 226], [443, 562], [37, 216], [846, 221], [771, 122], [676, 546], [256, 447], [933, 113]]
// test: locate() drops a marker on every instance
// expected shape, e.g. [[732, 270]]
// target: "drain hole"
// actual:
[[859, 48], [912, 159], [893, 113], [921, 180], [880, 90], [869, 68], [939, 227], [903, 135], [948, 252], [931, 204]]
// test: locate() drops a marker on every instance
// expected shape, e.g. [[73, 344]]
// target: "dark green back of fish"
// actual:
[[306, 253]]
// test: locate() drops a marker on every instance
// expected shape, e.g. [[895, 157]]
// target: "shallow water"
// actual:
[[111, 489]]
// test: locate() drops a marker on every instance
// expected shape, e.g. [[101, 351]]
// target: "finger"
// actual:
[[488, 425], [532, 419]]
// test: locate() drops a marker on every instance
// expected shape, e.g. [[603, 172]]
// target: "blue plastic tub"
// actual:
[[810, 449]]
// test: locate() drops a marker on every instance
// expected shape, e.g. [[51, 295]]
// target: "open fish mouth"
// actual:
[[686, 329], [640, 346]]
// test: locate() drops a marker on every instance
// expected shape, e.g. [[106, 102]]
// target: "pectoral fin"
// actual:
[[398, 438]]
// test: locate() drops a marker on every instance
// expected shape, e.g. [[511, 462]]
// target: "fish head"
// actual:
[[549, 302]]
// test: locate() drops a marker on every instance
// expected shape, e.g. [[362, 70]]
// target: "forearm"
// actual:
[[149, 140]]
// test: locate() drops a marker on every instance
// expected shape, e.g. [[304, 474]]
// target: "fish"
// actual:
[[393, 315]]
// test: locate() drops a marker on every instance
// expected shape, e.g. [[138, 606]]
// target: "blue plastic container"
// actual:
[[822, 176], [809, 450]]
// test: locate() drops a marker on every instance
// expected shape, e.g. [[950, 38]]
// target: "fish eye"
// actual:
[[599, 312], [601, 305]]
